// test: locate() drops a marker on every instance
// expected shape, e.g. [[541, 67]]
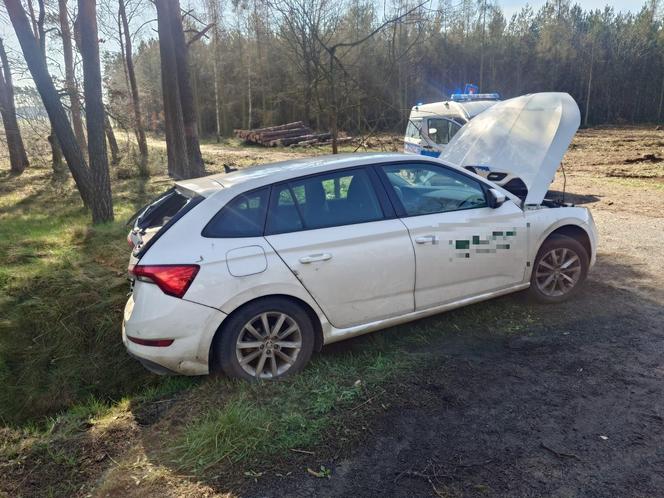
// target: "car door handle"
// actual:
[[312, 258], [427, 239]]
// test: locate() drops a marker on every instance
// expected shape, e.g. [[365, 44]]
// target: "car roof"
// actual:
[[450, 108], [266, 174]]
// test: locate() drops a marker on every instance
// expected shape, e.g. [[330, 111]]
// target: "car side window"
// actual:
[[445, 130], [283, 215], [331, 199], [427, 188], [244, 216]]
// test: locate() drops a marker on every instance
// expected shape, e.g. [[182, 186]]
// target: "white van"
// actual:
[[432, 126]]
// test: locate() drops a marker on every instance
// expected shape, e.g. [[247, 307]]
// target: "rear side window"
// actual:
[[244, 216], [327, 200]]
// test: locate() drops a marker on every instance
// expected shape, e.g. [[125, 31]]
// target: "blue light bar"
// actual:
[[466, 97]]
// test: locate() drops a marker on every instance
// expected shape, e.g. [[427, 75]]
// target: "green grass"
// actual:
[[250, 423], [262, 420], [62, 289]]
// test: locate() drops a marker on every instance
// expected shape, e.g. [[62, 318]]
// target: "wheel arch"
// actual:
[[307, 308], [572, 231]]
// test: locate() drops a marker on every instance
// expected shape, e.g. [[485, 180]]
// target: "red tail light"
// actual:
[[173, 280], [157, 343]]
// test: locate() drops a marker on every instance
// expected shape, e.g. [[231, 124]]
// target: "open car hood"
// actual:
[[526, 136]]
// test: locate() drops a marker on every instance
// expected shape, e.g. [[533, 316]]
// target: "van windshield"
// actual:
[[414, 127]]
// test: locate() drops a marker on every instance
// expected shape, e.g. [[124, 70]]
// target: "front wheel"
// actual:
[[560, 268], [267, 339]]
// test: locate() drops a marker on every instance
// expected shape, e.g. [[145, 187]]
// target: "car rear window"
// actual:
[[159, 215], [159, 211]]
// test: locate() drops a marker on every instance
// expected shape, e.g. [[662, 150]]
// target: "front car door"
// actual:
[[463, 247], [339, 236], [441, 130]]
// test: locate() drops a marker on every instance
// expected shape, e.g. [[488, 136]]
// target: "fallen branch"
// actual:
[[559, 454], [303, 451]]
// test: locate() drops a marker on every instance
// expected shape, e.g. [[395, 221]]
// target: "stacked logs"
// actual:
[[290, 134]]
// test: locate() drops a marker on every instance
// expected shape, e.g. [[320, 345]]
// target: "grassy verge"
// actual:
[[62, 289], [251, 424], [258, 421]]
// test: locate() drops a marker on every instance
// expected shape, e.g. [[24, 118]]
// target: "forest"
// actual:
[[269, 62], [354, 66]]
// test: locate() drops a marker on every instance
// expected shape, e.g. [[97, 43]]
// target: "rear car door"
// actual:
[[339, 235], [463, 247]]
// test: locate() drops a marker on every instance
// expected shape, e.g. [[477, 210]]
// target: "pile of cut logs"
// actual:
[[291, 134]]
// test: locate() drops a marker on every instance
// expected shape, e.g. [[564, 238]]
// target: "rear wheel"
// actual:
[[560, 268], [267, 339]]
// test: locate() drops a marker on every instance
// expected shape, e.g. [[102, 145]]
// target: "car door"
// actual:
[[339, 236], [440, 131], [463, 247]]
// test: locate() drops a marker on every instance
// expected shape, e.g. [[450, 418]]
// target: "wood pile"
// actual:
[[290, 134]]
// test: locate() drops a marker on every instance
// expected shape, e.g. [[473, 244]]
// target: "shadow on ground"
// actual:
[[572, 405]]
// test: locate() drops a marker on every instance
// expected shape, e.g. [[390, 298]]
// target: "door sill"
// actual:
[[335, 334]]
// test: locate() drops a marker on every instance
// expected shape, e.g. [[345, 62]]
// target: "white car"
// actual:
[[252, 271]]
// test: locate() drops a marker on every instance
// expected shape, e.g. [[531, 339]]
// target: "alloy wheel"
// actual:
[[558, 272], [268, 345]]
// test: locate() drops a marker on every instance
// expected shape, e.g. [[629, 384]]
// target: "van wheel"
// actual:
[[267, 339], [561, 266]]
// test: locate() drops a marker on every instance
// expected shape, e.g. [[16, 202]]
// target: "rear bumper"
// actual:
[[151, 314]]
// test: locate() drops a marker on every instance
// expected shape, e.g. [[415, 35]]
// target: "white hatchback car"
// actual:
[[253, 270]]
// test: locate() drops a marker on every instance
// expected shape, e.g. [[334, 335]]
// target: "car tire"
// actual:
[[559, 270], [244, 350]]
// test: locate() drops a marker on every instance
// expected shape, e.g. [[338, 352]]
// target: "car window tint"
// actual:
[[331, 199], [244, 216], [427, 188], [283, 215]]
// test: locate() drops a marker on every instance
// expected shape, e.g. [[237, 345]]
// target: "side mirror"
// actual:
[[496, 198], [433, 131]]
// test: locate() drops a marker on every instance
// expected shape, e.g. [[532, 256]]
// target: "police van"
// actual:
[[432, 126]]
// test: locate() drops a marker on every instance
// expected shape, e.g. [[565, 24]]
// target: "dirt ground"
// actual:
[[574, 406]]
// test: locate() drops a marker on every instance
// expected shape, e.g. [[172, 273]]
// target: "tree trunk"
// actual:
[[334, 112], [57, 161], [102, 202], [136, 102], [18, 159], [56, 113], [195, 159], [112, 142], [590, 82], [176, 148], [70, 75], [215, 68], [213, 16], [40, 36]]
